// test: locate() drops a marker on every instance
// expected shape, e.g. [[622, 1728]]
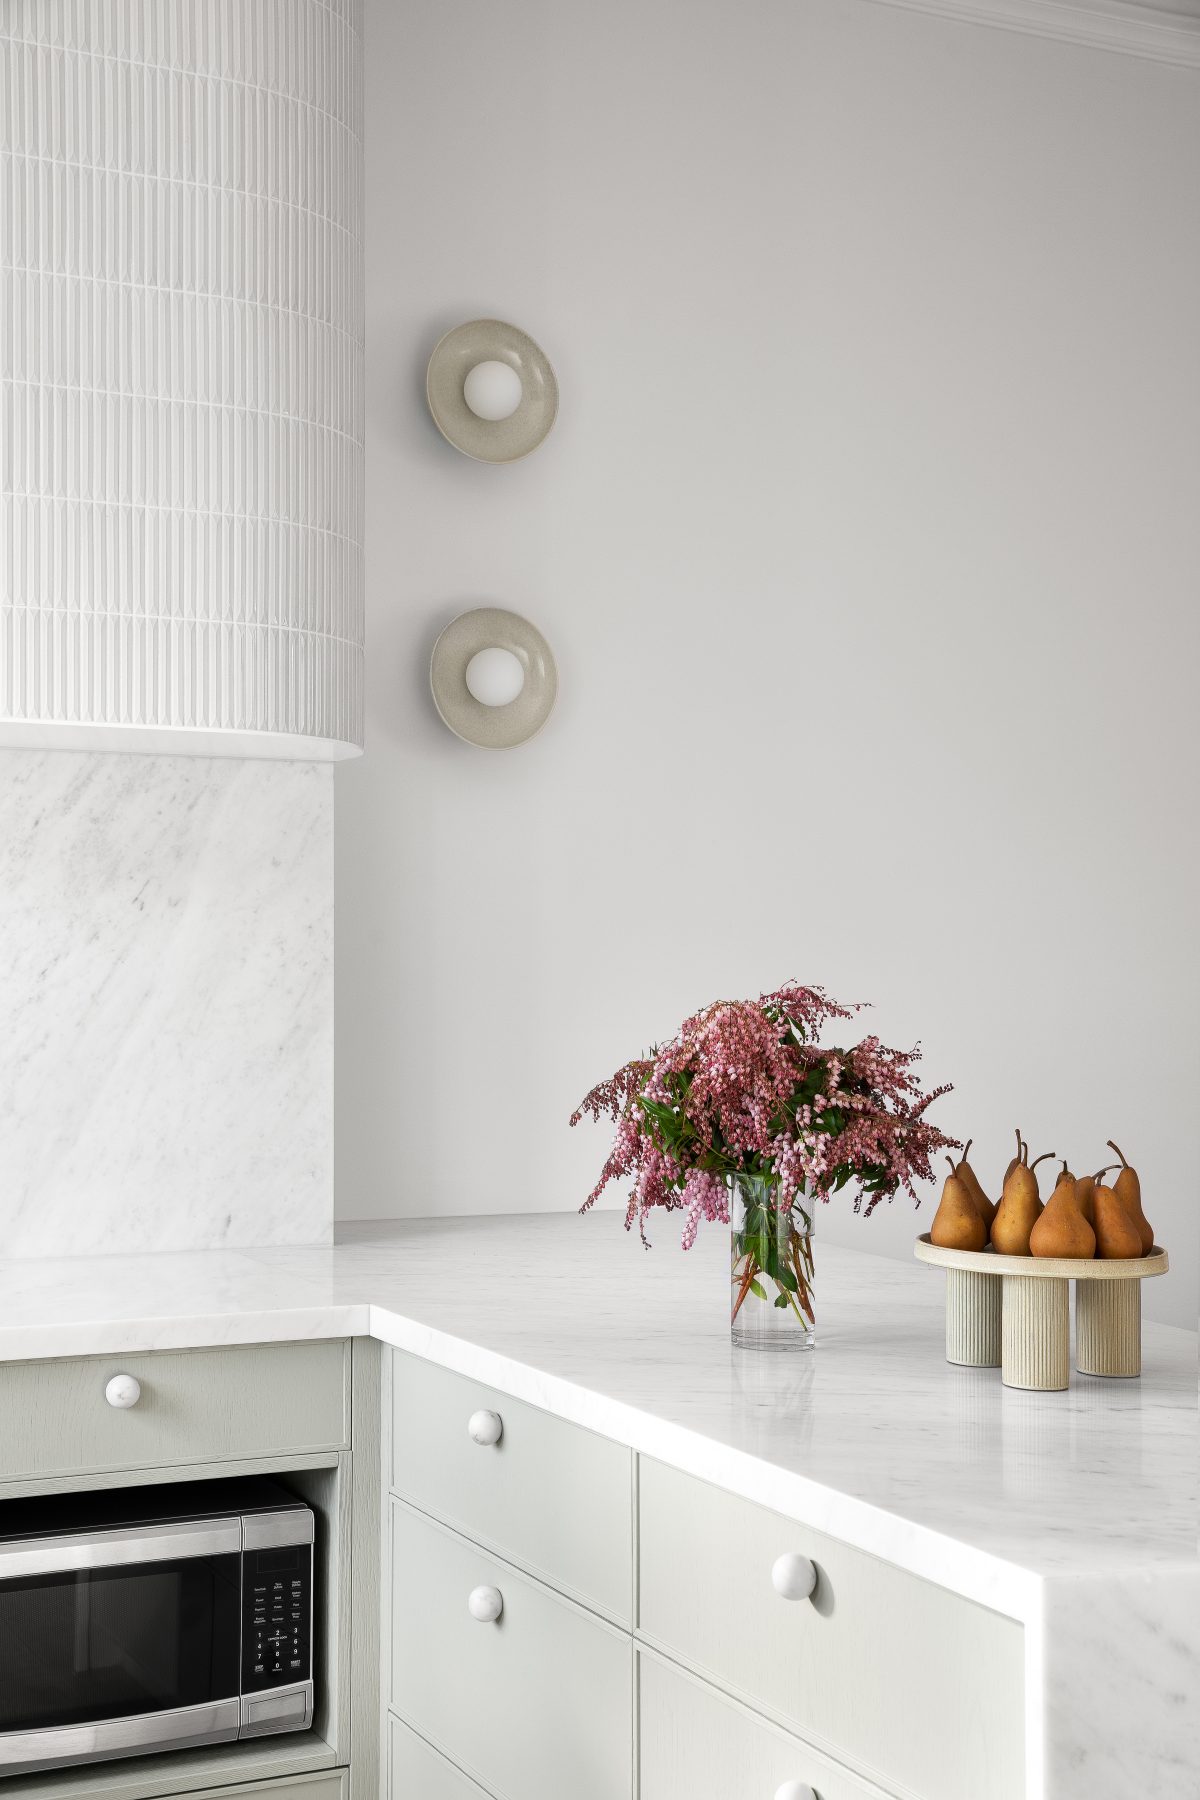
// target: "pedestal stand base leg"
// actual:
[[1036, 1348], [1108, 1327], [973, 1319]]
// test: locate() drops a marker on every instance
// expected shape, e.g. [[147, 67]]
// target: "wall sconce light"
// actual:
[[493, 678], [491, 391]]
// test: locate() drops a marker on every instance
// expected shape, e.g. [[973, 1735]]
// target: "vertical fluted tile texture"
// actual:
[[181, 337], [1036, 1332], [973, 1318], [1108, 1327]]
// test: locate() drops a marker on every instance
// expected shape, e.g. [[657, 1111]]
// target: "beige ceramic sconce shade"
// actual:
[[493, 727], [491, 440]]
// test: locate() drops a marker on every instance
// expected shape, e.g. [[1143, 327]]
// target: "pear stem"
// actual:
[[1042, 1158], [1101, 1173], [1119, 1151], [966, 1152], [953, 1169]]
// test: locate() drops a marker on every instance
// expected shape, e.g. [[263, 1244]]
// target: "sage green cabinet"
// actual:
[[547, 1495], [697, 1745], [534, 1704], [415, 1772], [196, 1406], [911, 1684]]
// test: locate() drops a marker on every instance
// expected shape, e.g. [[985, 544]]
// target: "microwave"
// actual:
[[149, 1619]]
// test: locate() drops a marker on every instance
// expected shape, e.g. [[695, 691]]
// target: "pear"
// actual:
[[1128, 1190], [1085, 1190], [1064, 1174], [1116, 1230], [966, 1174], [1061, 1229], [957, 1224], [1019, 1209], [1022, 1152]]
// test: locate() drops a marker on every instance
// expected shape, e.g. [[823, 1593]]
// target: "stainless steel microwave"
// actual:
[[150, 1619]]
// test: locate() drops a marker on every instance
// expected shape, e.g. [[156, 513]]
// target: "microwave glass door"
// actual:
[[112, 1643]]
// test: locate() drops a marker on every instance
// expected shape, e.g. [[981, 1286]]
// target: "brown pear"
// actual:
[[986, 1208], [1128, 1190], [1061, 1229], [1085, 1189], [957, 1224], [1019, 1209], [1116, 1231]]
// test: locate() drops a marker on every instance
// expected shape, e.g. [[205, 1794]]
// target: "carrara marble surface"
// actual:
[[1075, 1513], [167, 924]]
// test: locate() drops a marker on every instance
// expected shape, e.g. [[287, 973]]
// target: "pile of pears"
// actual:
[[1082, 1218]]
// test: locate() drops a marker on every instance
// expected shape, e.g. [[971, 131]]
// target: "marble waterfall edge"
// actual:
[[167, 934]]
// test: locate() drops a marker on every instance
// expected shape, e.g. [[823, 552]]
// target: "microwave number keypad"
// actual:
[[277, 1610]]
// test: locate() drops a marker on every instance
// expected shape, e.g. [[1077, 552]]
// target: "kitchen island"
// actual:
[[1073, 1514]]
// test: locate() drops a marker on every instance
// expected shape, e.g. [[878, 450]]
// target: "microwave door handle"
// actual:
[[176, 1542]]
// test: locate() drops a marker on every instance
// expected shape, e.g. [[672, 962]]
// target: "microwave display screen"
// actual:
[[110, 1643]]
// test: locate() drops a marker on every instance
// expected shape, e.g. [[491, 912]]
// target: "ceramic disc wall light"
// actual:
[[491, 391], [181, 387], [493, 678]]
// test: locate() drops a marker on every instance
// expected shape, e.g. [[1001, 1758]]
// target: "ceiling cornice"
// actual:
[[1130, 27]]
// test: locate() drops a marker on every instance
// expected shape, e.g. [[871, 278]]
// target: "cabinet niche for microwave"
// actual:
[[150, 1619]]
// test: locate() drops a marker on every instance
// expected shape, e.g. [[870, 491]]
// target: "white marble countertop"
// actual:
[[872, 1437]]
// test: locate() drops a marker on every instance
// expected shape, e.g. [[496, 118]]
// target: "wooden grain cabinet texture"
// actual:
[[549, 1496], [196, 1406], [915, 1686], [417, 1772], [536, 1706], [697, 1745]]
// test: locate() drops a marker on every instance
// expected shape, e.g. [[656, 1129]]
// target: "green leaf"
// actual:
[[757, 1289], [782, 1300]]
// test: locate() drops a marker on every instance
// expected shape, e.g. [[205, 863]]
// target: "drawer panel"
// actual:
[[196, 1406], [696, 1745], [909, 1682], [550, 1496], [331, 1784], [415, 1772], [534, 1706]]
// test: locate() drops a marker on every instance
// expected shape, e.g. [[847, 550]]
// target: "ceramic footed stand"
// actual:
[[1013, 1312]]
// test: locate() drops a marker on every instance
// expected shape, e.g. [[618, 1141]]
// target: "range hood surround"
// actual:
[[181, 383]]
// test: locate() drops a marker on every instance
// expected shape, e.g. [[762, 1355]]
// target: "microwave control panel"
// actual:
[[276, 1617]]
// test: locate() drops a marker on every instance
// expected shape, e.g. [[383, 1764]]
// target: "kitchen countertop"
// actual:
[[872, 1437]]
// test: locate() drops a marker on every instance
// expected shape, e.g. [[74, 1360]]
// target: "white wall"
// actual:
[[167, 1003], [867, 541]]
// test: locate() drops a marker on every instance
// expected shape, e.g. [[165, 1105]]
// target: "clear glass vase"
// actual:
[[771, 1267]]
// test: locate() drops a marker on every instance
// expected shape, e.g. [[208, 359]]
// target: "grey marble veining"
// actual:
[[166, 989]]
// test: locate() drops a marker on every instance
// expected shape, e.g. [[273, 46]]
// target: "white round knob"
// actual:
[[795, 1790], [494, 676], [493, 390], [485, 1427], [123, 1391], [793, 1576], [485, 1604]]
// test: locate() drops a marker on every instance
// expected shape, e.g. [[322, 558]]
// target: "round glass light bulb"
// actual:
[[494, 676], [493, 391]]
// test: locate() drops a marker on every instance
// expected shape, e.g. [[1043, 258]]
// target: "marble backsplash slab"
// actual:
[[166, 1003]]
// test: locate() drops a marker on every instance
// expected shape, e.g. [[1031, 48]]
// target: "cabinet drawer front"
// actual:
[[415, 1772], [332, 1784], [533, 1706], [696, 1745], [911, 1683], [550, 1496], [195, 1406]]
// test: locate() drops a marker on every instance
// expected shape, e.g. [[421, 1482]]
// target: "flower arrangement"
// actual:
[[744, 1099]]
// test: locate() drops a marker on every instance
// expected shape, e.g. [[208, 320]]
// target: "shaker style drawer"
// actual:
[[912, 1684], [415, 1772], [522, 1690], [187, 1406], [696, 1745], [329, 1784], [550, 1496]]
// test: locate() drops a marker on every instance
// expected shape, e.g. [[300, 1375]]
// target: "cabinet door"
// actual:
[[545, 1494], [909, 1683], [194, 1406], [415, 1772], [533, 1705], [697, 1745]]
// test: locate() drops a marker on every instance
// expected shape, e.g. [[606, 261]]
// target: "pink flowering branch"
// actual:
[[744, 1087]]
